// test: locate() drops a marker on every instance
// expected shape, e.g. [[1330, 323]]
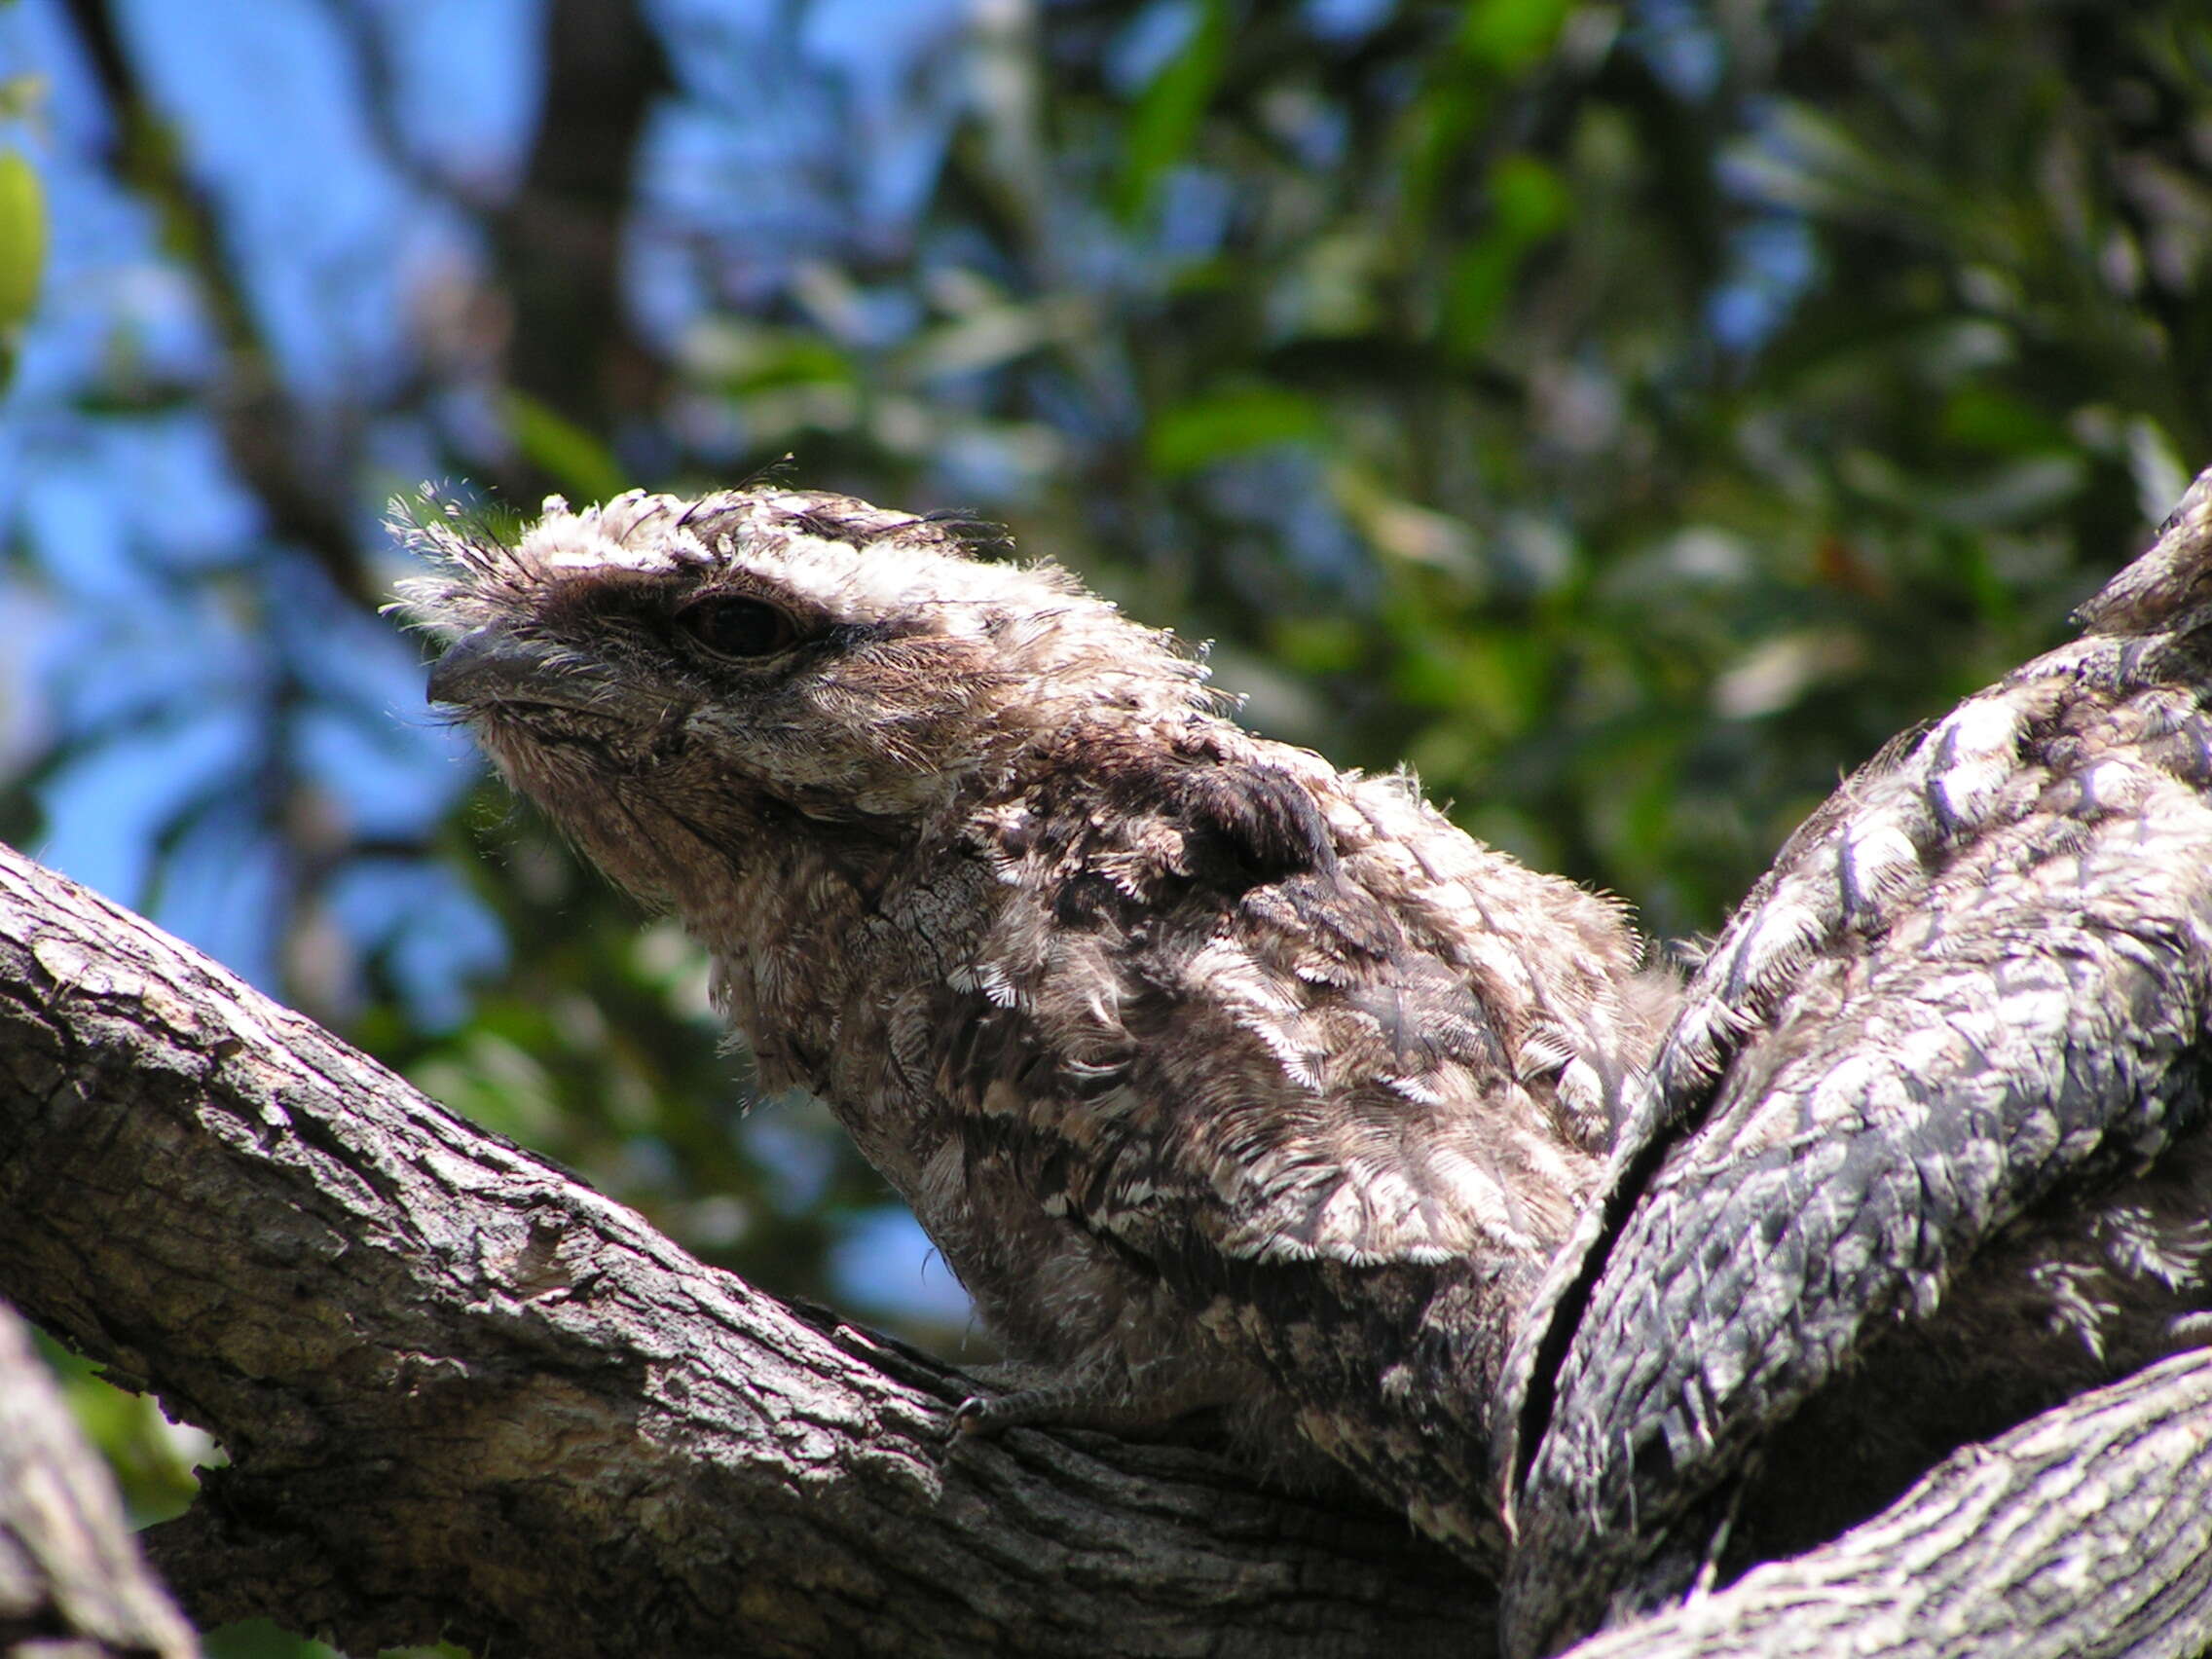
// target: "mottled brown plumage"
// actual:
[[1220, 1077]]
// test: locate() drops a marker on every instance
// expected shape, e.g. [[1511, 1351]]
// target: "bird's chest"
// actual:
[[969, 1039]]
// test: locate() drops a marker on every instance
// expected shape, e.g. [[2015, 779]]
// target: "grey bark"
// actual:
[[72, 1583], [2083, 1534]]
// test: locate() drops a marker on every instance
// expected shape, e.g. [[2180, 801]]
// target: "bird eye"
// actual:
[[736, 627]]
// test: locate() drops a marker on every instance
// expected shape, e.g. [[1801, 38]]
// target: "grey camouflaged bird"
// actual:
[[1925, 1151], [1221, 1078]]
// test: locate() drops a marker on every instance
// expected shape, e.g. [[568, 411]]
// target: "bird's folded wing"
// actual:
[[1978, 976]]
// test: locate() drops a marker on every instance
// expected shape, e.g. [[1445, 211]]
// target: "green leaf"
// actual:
[[584, 467], [22, 250], [1317, 644], [1990, 418], [1168, 114], [23, 97], [1528, 204], [744, 359], [1510, 35], [1208, 429]]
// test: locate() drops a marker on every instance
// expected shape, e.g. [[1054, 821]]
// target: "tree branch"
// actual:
[[70, 1578], [2083, 1534], [267, 434], [464, 1395]]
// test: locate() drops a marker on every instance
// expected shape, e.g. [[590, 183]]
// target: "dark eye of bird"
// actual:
[[735, 627]]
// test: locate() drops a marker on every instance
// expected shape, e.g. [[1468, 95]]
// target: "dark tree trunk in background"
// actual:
[[561, 239], [293, 459]]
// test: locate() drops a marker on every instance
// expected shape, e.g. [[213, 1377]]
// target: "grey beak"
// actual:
[[482, 665]]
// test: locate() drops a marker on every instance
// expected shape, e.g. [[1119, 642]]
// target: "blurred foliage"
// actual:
[[1629, 414], [22, 250]]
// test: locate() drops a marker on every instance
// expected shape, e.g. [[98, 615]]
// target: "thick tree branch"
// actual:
[[465, 1395], [2082, 1534]]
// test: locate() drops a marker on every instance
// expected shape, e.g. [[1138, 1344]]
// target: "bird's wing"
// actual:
[[1294, 1014], [1978, 976]]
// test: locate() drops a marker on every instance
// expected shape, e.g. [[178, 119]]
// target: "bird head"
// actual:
[[697, 669]]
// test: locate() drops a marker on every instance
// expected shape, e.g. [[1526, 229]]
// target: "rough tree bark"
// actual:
[[465, 1395], [2083, 1534]]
